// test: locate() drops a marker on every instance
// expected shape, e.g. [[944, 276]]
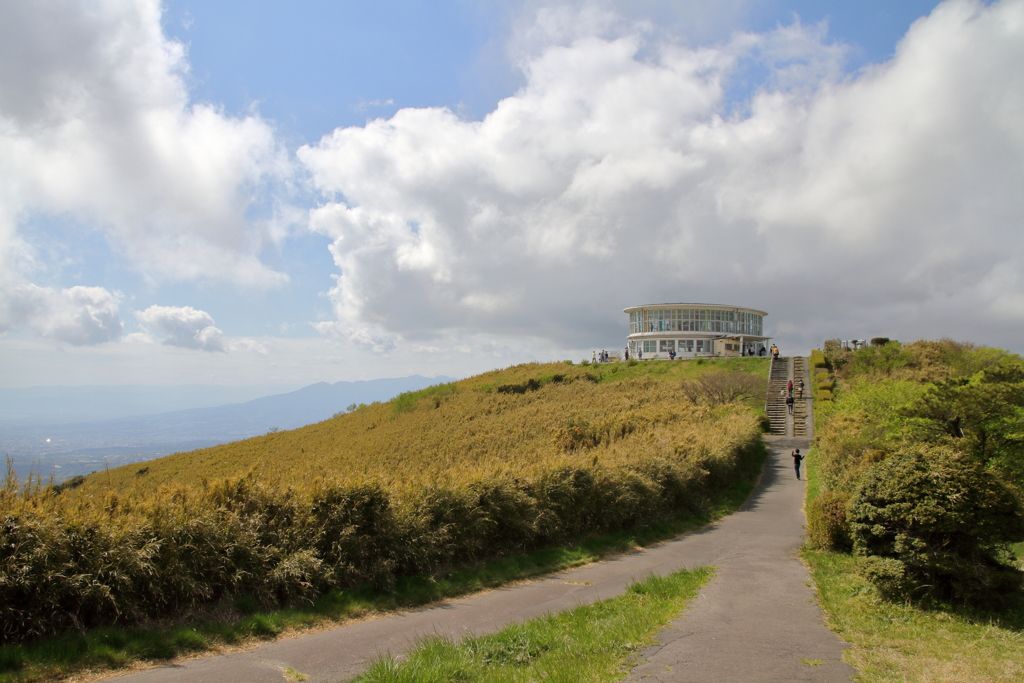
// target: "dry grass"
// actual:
[[505, 461], [461, 432]]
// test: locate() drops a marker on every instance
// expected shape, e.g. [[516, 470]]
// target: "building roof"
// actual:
[[694, 305]]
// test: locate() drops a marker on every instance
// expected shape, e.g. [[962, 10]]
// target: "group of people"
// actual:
[[603, 356], [788, 392]]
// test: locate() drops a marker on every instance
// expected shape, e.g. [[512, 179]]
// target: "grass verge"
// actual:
[[590, 643], [243, 622], [900, 643]]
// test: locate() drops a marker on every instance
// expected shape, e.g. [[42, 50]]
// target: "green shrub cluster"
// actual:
[[74, 564], [818, 359], [827, 526], [934, 524], [925, 437]]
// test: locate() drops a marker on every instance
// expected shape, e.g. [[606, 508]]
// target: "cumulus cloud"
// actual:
[[624, 171], [96, 123], [182, 326], [77, 315]]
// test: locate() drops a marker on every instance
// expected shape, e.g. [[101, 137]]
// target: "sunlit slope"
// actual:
[[503, 462], [510, 421]]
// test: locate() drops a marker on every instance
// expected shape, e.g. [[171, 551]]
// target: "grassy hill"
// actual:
[[515, 421], [503, 462]]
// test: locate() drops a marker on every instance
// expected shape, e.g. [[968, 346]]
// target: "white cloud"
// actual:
[[77, 315], [183, 326], [884, 202], [96, 122]]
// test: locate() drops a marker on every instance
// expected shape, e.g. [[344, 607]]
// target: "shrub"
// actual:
[[817, 359], [836, 355], [938, 526], [824, 395], [827, 526]]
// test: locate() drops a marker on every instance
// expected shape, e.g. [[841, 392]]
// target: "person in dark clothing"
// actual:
[[789, 403], [796, 461]]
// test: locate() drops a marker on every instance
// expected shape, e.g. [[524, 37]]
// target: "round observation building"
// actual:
[[692, 330]]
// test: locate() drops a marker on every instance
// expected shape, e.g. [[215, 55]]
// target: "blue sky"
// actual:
[[283, 193]]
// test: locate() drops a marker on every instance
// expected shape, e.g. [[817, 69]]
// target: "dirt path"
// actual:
[[755, 621]]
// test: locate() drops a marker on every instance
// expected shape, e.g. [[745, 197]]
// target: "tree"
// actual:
[[934, 524], [982, 415]]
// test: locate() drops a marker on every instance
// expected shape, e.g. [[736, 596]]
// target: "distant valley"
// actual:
[[66, 449]]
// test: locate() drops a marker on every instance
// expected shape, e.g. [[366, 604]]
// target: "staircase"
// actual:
[[782, 423], [776, 404], [800, 406]]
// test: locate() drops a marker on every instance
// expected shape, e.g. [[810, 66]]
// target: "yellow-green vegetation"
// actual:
[[589, 643], [243, 621], [916, 468], [504, 422], [501, 463]]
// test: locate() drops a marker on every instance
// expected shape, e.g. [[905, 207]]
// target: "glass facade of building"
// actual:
[[724, 321]]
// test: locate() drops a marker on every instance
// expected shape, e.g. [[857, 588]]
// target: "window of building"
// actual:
[[667, 345]]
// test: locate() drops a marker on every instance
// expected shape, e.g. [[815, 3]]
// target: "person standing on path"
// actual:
[[796, 458]]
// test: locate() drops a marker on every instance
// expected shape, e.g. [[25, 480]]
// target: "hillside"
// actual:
[[75, 448], [499, 422], [502, 462]]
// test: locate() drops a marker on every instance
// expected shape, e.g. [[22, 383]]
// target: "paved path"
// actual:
[[755, 621]]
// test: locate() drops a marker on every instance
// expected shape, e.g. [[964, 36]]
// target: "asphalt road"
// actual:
[[755, 622]]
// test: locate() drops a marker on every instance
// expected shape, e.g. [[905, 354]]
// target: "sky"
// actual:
[[256, 193]]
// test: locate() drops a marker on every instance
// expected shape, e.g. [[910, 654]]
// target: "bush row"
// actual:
[[72, 565]]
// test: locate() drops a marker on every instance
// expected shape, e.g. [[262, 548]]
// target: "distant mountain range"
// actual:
[[70, 448]]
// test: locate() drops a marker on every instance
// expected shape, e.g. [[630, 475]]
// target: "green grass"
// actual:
[[898, 643], [589, 643], [113, 648], [904, 644]]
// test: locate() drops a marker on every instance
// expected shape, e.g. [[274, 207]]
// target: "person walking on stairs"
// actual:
[[796, 461]]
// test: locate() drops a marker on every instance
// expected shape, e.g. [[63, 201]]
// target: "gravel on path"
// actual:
[[756, 621]]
